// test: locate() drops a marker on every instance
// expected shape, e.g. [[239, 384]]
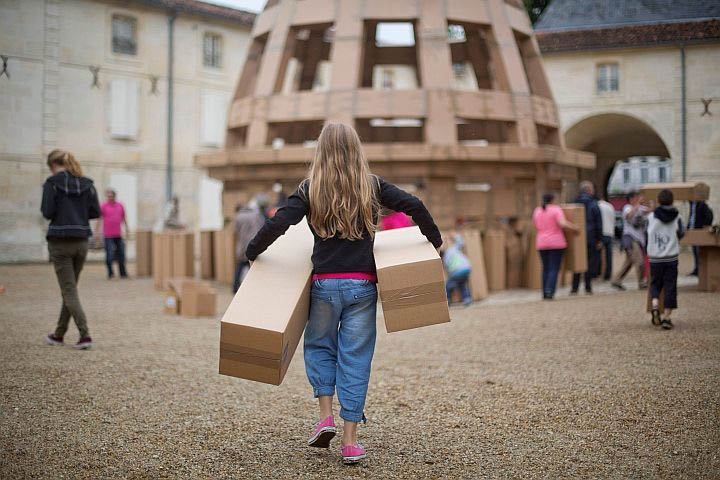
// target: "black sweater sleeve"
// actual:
[[94, 205], [290, 214], [399, 200], [48, 207]]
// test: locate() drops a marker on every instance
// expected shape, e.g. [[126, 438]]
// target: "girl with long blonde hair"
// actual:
[[69, 201], [341, 199]]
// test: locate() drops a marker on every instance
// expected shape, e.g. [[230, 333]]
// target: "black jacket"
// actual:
[[703, 215], [336, 255], [69, 202], [593, 218]]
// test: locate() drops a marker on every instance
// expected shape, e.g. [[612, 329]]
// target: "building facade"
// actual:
[[638, 79], [91, 77]]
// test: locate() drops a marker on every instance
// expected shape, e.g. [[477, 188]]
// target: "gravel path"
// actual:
[[579, 387]]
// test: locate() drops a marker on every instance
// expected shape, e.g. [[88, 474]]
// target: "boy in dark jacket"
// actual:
[[594, 230]]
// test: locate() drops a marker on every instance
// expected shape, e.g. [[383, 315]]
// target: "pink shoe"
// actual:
[[352, 453], [324, 431]]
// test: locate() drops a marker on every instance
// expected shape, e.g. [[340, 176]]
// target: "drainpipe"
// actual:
[[171, 55], [684, 115]]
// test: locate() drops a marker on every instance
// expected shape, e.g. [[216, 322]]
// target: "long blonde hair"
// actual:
[[65, 160], [342, 196]]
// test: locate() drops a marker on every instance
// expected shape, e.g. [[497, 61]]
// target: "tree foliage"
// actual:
[[535, 8]]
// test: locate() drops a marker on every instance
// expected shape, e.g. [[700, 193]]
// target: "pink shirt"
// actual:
[[113, 215], [550, 235], [395, 220]]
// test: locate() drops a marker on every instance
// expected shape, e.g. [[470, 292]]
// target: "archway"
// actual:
[[613, 137]]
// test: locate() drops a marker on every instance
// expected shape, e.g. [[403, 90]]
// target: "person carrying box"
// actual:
[[341, 199], [458, 268], [665, 229]]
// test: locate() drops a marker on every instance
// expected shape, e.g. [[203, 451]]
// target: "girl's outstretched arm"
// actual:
[[401, 201], [290, 214]]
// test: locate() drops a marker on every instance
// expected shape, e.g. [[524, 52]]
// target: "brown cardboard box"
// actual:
[[495, 258], [190, 298], [709, 269], [576, 253], [143, 253], [695, 191], [411, 280], [533, 265], [474, 252], [513, 259], [701, 238], [183, 254], [165, 252], [224, 254], [157, 260], [207, 267], [261, 328]]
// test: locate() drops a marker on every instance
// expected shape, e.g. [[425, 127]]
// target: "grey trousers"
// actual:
[[68, 257]]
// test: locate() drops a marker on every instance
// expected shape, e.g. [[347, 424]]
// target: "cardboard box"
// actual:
[[709, 269], [495, 259], [189, 298], [207, 260], [694, 191], [533, 265], [513, 259], [143, 253], [478, 274], [183, 251], [157, 260], [576, 254], [261, 328], [411, 280], [224, 254], [701, 238]]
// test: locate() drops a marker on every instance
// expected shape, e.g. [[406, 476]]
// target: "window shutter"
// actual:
[[214, 119], [124, 108]]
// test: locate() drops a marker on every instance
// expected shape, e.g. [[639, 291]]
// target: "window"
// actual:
[[212, 50], [124, 108], [607, 77], [643, 174], [662, 174], [626, 175], [213, 108], [124, 35]]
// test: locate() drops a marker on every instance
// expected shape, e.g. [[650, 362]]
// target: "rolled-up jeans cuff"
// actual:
[[351, 416], [324, 391]]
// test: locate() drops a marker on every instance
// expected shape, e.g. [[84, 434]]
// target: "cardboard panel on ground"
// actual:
[[143, 253], [478, 274], [576, 254], [207, 261], [709, 259], [691, 191], [183, 254], [157, 260], [533, 264], [190, 298], [411, 281], [261, 328], [224, 254], [513, 258], [495, 259]]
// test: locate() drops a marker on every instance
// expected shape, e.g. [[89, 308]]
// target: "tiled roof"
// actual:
[[584, 14], [204, 9], [629, 36]]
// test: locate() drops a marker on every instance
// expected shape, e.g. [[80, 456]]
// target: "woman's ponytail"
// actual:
[[547, 198], [65, 160]]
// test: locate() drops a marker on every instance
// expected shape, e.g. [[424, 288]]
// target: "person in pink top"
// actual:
[[113, 217], [549, 221]]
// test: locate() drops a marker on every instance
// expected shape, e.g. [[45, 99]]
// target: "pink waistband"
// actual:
[[349, 275]]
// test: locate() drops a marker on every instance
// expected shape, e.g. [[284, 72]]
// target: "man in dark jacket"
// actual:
[[594, 231], [701, 216]]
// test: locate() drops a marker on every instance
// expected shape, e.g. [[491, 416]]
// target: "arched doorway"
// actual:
[[613, 137]]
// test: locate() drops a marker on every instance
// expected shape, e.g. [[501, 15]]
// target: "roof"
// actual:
[[584, 14], [629, 36], [196, 7]]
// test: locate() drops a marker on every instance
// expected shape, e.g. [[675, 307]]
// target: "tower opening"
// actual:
[[475, 61], [306, 61], [389, 55]]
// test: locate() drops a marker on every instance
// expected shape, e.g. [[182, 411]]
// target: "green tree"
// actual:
[[535, 8]]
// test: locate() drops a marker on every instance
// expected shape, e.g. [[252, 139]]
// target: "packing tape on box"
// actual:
[[424, 294], [252, 356]]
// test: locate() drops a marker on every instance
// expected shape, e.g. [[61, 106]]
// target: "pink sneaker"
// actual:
[[324, 431], [352, 453]]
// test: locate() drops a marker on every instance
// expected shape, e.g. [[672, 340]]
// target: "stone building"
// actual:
[[91, 77], [460, 112], [638, 78]]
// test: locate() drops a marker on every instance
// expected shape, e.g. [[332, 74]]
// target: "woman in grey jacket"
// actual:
[[664, 231], [69, 201]]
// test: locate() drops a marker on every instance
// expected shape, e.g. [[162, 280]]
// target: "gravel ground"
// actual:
[[579, 387]]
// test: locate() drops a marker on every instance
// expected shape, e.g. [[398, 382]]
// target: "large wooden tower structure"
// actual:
[[449, 97]]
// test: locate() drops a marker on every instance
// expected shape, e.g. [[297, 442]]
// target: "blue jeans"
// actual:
[[551, 260], [115, 249], [340, 342], [459, 280]]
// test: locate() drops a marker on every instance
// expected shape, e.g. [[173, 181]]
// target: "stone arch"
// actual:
[[613, 136]]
